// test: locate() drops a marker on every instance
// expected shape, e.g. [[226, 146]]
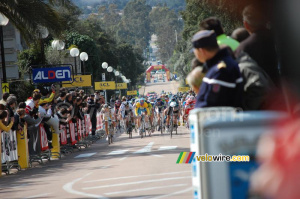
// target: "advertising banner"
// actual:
[[9, 146], [79, 81], [132, 92], [105, 85], [121, 86], [57, 74]]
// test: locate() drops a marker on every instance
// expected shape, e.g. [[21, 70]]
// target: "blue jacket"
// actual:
[[222, 84]]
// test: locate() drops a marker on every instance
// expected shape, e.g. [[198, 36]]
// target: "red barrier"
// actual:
[[43, 138], [72, 133], [79, 129], [63, 135], [88, 126]]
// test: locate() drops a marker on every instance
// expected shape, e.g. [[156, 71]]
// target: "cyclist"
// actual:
[[106, 117], [189, 105], [160, 106], [151, 110], [125, 110], [116, 112], [141, 108], [172, 106]]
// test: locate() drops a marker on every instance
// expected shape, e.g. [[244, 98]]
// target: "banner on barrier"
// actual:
[[72, 133], [44, 139], [9, 151], [63, 135]]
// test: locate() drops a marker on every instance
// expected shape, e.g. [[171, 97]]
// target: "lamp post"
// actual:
[[57, 44], [117, 73], [104, 66], [74, 52], [3, 22], [83, 57], [42, 33]]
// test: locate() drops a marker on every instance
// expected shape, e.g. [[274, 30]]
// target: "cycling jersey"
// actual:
[[139, 108]]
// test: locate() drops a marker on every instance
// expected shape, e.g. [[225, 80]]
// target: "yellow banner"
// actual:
[[80, 81], [183, 89], [157, 67], [105, 85], [121, 86], [131, 92], [23, 148]]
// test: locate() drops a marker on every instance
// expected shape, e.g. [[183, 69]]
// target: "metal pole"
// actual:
[[82, 67], [2, 54], [75, 66]]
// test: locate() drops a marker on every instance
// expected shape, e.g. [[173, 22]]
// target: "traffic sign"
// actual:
[[80, 81], [121, 86], [183, 89], [105, 85], [132, 92], [5, 87]]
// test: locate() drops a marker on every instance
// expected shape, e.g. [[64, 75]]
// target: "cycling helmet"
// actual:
[[125, 103], [142, 100], [158, 99], [118, 102], [105, 106]]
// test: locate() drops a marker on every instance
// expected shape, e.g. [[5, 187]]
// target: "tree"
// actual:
[[29, 16]]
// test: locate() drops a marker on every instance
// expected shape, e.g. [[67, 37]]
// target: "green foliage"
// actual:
[[21, 89]]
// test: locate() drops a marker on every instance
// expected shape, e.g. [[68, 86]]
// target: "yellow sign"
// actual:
[[79, 81], [183, 89], [5, 87], [105, 85], [121, 86], [131, 92], [157, 67]]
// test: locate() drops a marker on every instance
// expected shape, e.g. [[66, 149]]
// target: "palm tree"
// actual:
[[29, 15]]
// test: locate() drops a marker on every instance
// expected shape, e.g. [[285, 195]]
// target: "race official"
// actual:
[[222, 84]]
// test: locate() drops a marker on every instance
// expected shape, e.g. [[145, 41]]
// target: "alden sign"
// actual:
[[58, 74]]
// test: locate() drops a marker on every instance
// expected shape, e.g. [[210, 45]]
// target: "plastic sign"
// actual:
[[105, 85], [121, 86], [5, 87], [183, 89], [58, 74], [80, 81], [132, 92]]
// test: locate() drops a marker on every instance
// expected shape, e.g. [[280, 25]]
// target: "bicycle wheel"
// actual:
[[171, 125], [161, 125]]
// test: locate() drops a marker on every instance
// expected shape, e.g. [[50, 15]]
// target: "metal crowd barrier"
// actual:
[[17, 152]]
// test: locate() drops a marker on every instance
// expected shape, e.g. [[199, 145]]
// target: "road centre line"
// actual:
[[137, 182], [126, 177], [119, 152], [162, 148], [38, 196], [146, 149], [173, 194], [85, 155], [155, 155], [145, 189], [69, 188]]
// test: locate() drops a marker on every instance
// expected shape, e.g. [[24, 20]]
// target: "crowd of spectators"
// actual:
[[239, 71], [54, 109]]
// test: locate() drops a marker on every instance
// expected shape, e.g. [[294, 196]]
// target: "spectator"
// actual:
[[3, 116], [45, 94], [18, 123], [92, 110], [22, 105], [10, 105], [240, 34], [195, 77], [260, 44], [32, 103], [4, 98], [212, 23], [221, 85]]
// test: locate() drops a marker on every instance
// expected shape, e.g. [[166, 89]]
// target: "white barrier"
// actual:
[[9, 151]]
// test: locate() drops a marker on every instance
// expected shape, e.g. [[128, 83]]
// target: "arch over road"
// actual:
[[157, 67]]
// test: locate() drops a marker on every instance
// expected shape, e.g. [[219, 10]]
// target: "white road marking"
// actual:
[[137, 182], [123, 158], [155, 155], [85, 155], [69, 188], [175, 193], [145, 189], [162, 148], [38, 196], [146, 149], [126, 177], [105, 167], [117, 152]]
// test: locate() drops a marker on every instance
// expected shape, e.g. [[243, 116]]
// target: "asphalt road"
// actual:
[[128, 168]]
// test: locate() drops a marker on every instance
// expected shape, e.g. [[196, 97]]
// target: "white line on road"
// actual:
[[162, 148], [145, 189], [175, 193], [117, 152], [155, 155], [137, 182], [69, 188], [38, 196], [85, 155], [146, 149], [126, 177], [123, 158]]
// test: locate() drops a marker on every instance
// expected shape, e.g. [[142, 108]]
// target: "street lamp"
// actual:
[[74, 52], [104, 65], [110, 69], [117, 73], [57, 44], [83, 57], [3, 22]]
